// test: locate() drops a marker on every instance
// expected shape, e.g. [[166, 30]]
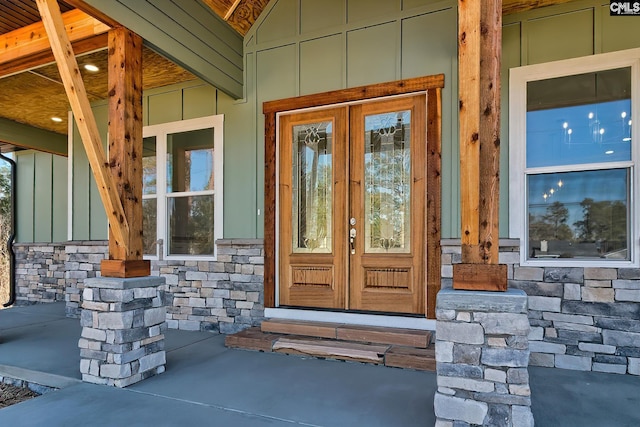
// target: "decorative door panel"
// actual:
[[352, 207], [312, 203], [387, 193]]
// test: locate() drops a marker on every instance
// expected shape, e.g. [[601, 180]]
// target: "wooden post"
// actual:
[[74, 87], [125, 149], [479, 55], [125, 129]]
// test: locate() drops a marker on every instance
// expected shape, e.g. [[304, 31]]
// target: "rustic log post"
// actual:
[[77, 95], [125, 149], [119, 180], [479, 55]]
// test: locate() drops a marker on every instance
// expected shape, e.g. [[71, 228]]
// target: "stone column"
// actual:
[[482, 355], [123, 323]]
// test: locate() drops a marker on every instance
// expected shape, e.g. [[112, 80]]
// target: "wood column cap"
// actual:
[[125, 268], [480, 277]]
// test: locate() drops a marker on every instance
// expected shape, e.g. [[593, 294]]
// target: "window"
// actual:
[[574, 159], [182, 188]]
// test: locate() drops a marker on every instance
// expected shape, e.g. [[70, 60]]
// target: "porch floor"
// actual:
[[208, 384]]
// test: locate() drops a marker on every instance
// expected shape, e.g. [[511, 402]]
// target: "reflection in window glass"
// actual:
[[312, 195], [387, 171], [149, 198], [579, 214], [149, 226], [190, 225], [149, 171], [190, 161], [579, 119]]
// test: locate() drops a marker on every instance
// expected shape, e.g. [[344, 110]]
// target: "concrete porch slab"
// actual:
[[208, 384]]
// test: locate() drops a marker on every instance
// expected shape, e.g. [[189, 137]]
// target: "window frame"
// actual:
[[518, 171], [160, 132]]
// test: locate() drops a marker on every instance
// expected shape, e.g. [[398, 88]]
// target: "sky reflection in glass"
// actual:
[[590, 133]]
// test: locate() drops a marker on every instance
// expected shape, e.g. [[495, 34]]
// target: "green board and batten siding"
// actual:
[[299, 47], [42, 197], [168, 104]]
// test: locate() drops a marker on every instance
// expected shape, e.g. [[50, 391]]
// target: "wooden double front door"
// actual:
[[352, 206]]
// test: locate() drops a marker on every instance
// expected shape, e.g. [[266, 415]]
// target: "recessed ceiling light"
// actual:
[[91, 68], [56, 119]]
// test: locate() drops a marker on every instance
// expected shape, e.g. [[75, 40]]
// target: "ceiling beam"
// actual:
[[92, 11], [36, 60], [231, 10], [29, 137], [21, 46], [85, 120]]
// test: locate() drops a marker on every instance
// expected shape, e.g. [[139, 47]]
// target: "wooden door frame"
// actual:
[[432, 85]]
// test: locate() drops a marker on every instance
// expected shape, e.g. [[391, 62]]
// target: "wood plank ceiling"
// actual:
[[21, 94]]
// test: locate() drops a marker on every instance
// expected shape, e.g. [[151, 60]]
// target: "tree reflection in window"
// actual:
[[586, 218], [312, 195], [387, 182]]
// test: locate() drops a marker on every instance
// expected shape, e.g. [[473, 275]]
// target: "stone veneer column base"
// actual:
[[123, 323], [482, 355]]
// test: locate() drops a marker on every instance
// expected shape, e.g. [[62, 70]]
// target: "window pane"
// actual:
[[190, 161], [149, 226], [579, 214], [312, 178], [387, 171], [190, 225], [583, 118], [149, 172]]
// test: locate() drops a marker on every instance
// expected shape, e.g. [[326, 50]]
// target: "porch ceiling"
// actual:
[[32, 97]]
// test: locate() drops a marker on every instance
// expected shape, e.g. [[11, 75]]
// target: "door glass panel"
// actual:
[[311, 193], [387, 176]]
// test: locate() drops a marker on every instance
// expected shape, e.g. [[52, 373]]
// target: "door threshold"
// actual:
[[352, 318]]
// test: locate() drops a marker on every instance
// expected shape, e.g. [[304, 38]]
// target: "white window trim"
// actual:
[[160, 132], [518, 79]]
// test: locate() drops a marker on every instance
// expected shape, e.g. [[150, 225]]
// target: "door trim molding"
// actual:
[[433, 86]]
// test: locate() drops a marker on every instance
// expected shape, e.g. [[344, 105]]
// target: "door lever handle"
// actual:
[[352, 240]]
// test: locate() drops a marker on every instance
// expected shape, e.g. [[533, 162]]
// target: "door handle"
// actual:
[[352, 240]]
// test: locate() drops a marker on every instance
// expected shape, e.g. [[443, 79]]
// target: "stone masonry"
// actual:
[[40, 273], [582, 318], [481, 359], [123, 323], [225, 295]]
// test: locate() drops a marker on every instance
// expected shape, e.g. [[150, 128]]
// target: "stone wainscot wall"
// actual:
[[225, 295], [581, 318], [585, 319]]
